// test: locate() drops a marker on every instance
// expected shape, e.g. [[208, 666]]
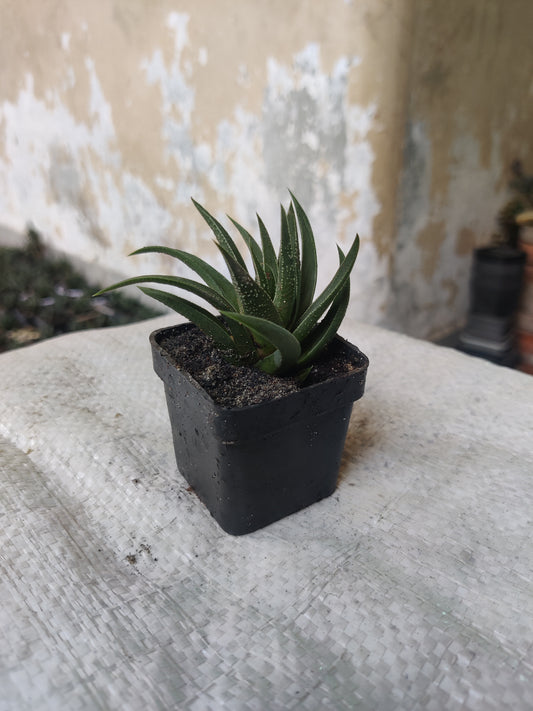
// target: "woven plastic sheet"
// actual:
[[410, 588]]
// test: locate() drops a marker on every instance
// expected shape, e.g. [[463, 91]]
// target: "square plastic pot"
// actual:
[[254, 465]]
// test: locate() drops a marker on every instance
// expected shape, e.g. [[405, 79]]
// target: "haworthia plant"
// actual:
[[271, 319]]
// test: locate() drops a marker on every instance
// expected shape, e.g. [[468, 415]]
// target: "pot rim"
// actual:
[[356, 372]]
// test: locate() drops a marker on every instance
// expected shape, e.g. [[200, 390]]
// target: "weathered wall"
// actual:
[[469, 115], [393, 118]]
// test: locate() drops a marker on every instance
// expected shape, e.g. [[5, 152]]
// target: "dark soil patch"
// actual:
[[240, 386], [42, 297]]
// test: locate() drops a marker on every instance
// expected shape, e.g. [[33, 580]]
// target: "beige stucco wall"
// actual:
[[469, 115], [393, 118]]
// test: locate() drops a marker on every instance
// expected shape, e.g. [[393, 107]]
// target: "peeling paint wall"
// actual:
[[115, 113], [470, 94]]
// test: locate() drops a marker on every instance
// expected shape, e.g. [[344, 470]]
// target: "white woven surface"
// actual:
[[410, 588]]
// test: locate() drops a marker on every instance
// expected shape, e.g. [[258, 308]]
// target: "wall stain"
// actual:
[[429, 240], [465, 242]]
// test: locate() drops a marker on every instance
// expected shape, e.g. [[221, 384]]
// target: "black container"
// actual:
[[495, 289], [253, 465], [496, 281]]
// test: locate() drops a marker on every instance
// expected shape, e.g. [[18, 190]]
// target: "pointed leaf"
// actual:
[[205, 321], [317, 308], [270, 261], [309, 259], [285, 296], [278, 337], [273, 364], [205, 271], [221, 234], [205, 292], [295, 248], [243, 342], [325, 331], [255, 251], [253, 299]]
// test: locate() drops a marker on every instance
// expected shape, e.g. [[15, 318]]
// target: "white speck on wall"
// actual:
[[99, 107], [164, 183], [177, 22], [65, 41], [243, 76], [279, 80], [308, 60], [70, 79], [310, 139], [359, 163], [202, 56]]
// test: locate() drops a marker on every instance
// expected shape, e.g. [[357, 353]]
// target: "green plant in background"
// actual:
[[522, 188], [269, 320], [42, 296]]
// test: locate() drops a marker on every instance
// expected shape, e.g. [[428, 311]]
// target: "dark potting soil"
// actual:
[[239, 386]]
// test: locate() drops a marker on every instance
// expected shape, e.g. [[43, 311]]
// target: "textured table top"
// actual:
[[410, 588]]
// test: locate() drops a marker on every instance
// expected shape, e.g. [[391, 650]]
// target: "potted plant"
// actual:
[[521, 186], [496, 281], [260, 393]]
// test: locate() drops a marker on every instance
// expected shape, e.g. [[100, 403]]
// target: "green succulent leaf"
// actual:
[[287, 347], [285, 298], [253, 299], [205, 292], [324, 332], [205, 271], [221, 234], [205, 321], [309, 266], [270, 261], [271, 321], [310, 318], [295, 248], [257, 254]]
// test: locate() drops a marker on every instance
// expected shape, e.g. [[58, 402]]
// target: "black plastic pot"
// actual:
[[495, 288], [496, 281], [254, 465]]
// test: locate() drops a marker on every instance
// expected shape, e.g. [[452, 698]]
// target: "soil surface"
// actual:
[[239, 386]]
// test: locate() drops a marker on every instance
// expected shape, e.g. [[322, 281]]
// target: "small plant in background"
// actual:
[[522, 187], [270, 320], [42, 296]]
